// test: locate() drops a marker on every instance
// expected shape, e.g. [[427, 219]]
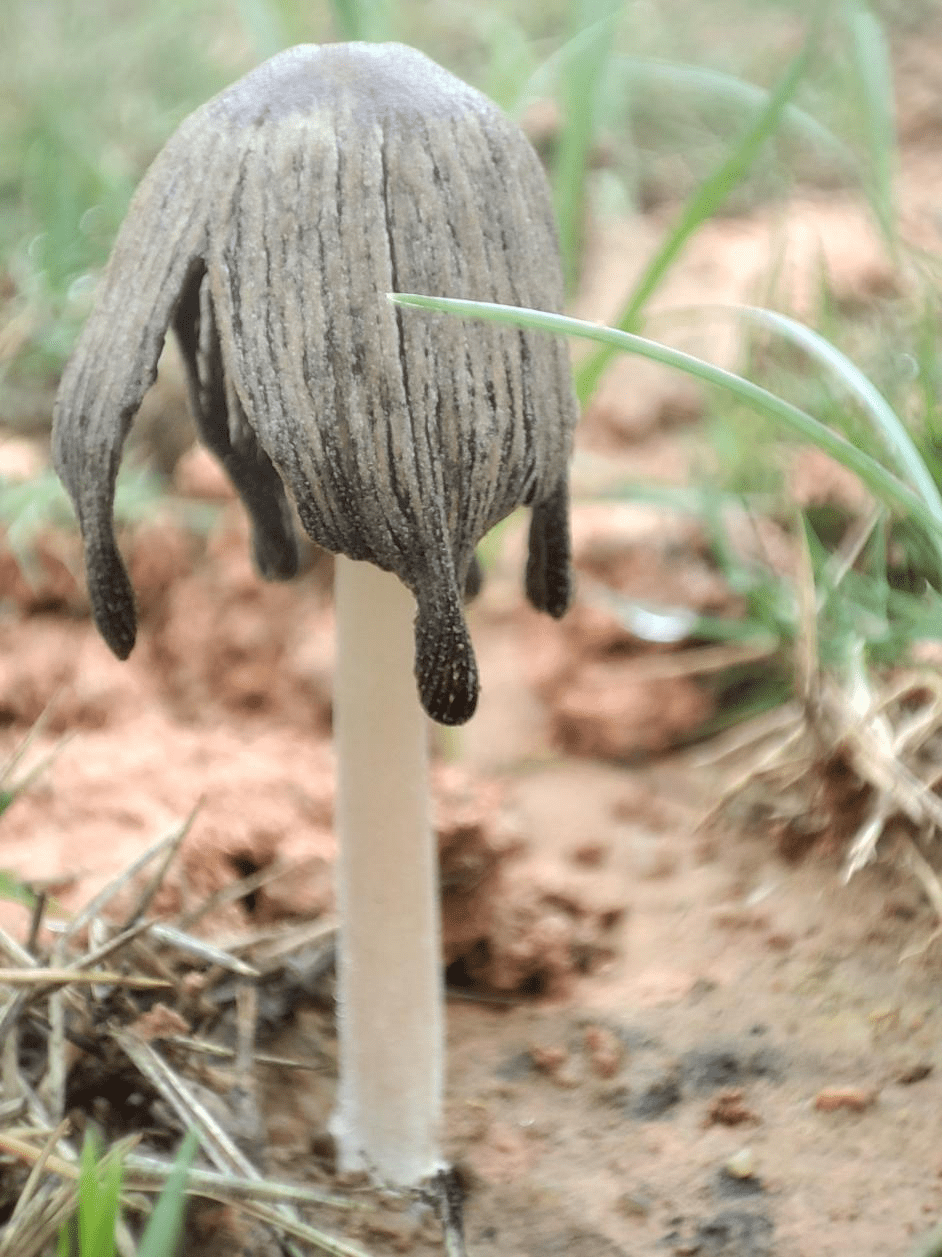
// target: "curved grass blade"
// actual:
[[686, 79], [899, 444], [544, 80], [882, 483]]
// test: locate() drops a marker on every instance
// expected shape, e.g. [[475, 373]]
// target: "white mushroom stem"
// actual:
[[390, 984]]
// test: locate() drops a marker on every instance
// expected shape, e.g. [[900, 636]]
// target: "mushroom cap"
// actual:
[[267, 232]]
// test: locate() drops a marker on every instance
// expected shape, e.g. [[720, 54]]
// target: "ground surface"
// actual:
[[664, 1037]]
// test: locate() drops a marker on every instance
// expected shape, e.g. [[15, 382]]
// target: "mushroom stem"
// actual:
[[390, 985]]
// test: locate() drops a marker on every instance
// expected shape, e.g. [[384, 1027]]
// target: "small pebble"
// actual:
[[729, 1108], [741, 1164], [853, 1099]]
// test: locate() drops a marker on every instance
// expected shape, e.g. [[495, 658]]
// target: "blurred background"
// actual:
[[631, 104]]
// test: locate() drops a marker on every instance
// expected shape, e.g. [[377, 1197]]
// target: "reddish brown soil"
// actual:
[[638, 1002]]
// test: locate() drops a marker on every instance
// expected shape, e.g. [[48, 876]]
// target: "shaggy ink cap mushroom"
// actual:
[[267, 233]]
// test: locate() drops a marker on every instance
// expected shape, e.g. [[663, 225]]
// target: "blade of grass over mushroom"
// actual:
[[701, 206], [878, 479], [593, 23], [873, 80], [893, 434]]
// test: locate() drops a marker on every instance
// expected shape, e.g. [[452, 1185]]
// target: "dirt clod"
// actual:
[[848, 1099], [729, 1108]]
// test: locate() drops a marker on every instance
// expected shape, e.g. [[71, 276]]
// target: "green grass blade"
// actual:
[[507, 52], [64, 1242], [88, 1193], [582, 73], [99, 1200], [881, 482], [899, 444], [702, 205], [370, 20], [166, 1221], [873, 79]]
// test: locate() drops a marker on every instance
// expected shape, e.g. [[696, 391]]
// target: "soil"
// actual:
[[664, 1036]]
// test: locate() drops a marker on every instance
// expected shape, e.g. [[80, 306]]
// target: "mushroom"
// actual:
[[267, 233]]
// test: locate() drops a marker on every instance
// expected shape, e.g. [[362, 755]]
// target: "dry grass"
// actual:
[[63, 1002], [855, 757]]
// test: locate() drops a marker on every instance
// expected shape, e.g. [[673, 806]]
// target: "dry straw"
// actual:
[[104, 1023]]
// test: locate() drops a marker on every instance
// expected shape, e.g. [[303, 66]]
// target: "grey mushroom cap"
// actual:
[[267, 233]]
